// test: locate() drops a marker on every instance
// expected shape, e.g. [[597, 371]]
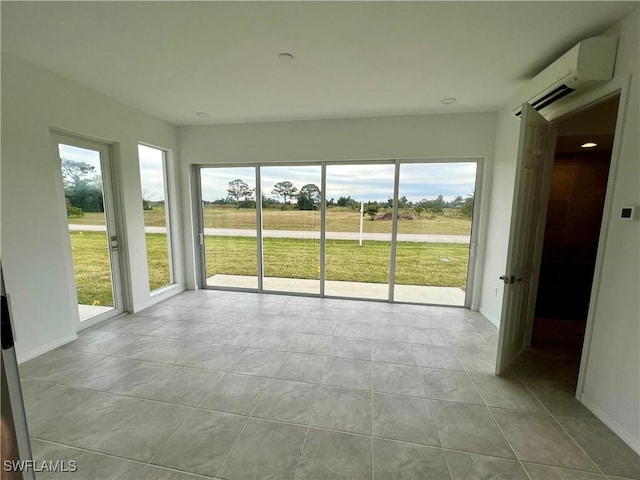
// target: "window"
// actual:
[[157, 222]]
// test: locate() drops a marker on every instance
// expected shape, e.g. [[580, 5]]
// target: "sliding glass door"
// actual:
[[435, 206], [291, 228], [387, 230], [358, 226], [229, 235]]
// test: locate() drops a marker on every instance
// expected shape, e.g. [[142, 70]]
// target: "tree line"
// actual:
[[308, 197]]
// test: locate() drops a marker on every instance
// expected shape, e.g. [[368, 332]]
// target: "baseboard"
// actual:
[[605, 418], [159, 296], [47, 348], [495, 321]]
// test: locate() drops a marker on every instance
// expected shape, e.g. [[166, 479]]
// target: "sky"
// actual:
[[373, 182], [360, 182]]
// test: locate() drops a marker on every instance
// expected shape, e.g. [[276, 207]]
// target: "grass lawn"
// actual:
[[339, 219], [93, 271], [437, 264]]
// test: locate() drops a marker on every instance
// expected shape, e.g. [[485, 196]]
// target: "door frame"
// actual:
[[112, 198], [615, 87], [474, 251]]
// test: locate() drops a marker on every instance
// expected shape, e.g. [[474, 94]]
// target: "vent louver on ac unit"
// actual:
[[585, 66]]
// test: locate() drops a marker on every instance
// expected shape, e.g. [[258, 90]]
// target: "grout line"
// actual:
[[193, 411], [306, 432], [371, 400], [241, 432]]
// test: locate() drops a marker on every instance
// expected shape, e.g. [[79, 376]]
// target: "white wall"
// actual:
[[35, 242], [418, 136], [611, 368]]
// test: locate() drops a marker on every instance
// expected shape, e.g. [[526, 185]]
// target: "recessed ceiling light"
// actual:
[[448, 100], [202, 114], [285, 57], [589, 145]]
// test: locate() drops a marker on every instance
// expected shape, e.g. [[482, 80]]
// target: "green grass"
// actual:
[[436, 264], [339, 219], [93, 270]]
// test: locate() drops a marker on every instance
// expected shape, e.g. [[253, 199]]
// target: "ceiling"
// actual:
[[352, 59]]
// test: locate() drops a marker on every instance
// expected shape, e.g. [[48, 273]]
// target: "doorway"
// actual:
[[577, 192], [91, 217]]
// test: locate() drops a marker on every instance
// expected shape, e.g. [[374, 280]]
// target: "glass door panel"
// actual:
[[92, 227], [435, 206], [230, 232], [358, 244], [291, 228]]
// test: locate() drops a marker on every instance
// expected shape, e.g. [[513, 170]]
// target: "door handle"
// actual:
[[510, 279]]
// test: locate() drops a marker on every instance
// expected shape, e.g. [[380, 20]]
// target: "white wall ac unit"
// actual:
[[587, 65]]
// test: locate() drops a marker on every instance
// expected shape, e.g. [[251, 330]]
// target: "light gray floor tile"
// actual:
[[187, 387], [357, 348], [318, 326], [345, 372], [88, 465], [558, 397], [544, 472], [140, 435], [151, 472], [343, 409], [505, 392], [400, 379], [201, 443], [469, 428], [401, 461], [217, 357], [539, 439], [235, 394], [449, 385], [311, 343], [86, 337], [477, 359], [273, 340], [433, 356], [287, 401], [403, 418], [426, 336], [143, 380], [335, 455], [302, 367], [393, 333], [264, 450], [259, 362], [72, 416], [392, 352], [353, 329], [467, 466], [611, 454]]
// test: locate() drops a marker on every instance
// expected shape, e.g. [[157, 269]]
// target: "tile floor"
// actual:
[[241, 386]]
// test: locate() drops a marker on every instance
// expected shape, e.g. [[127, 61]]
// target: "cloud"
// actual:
[[373, 182]]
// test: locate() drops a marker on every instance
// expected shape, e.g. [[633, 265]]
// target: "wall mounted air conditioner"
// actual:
[[587, 65]]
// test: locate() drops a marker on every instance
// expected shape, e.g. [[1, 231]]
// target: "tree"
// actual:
[[371, 209], [238, 190], [82, 185], [285, 189], [75, 172], [466, 208], [345, 201], [309, 197], [403, 202], [418, 209]]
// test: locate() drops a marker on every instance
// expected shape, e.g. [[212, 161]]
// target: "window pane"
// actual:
[[356, 268], [435, 203], [156, 216], [291, 228], [230, 233]]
